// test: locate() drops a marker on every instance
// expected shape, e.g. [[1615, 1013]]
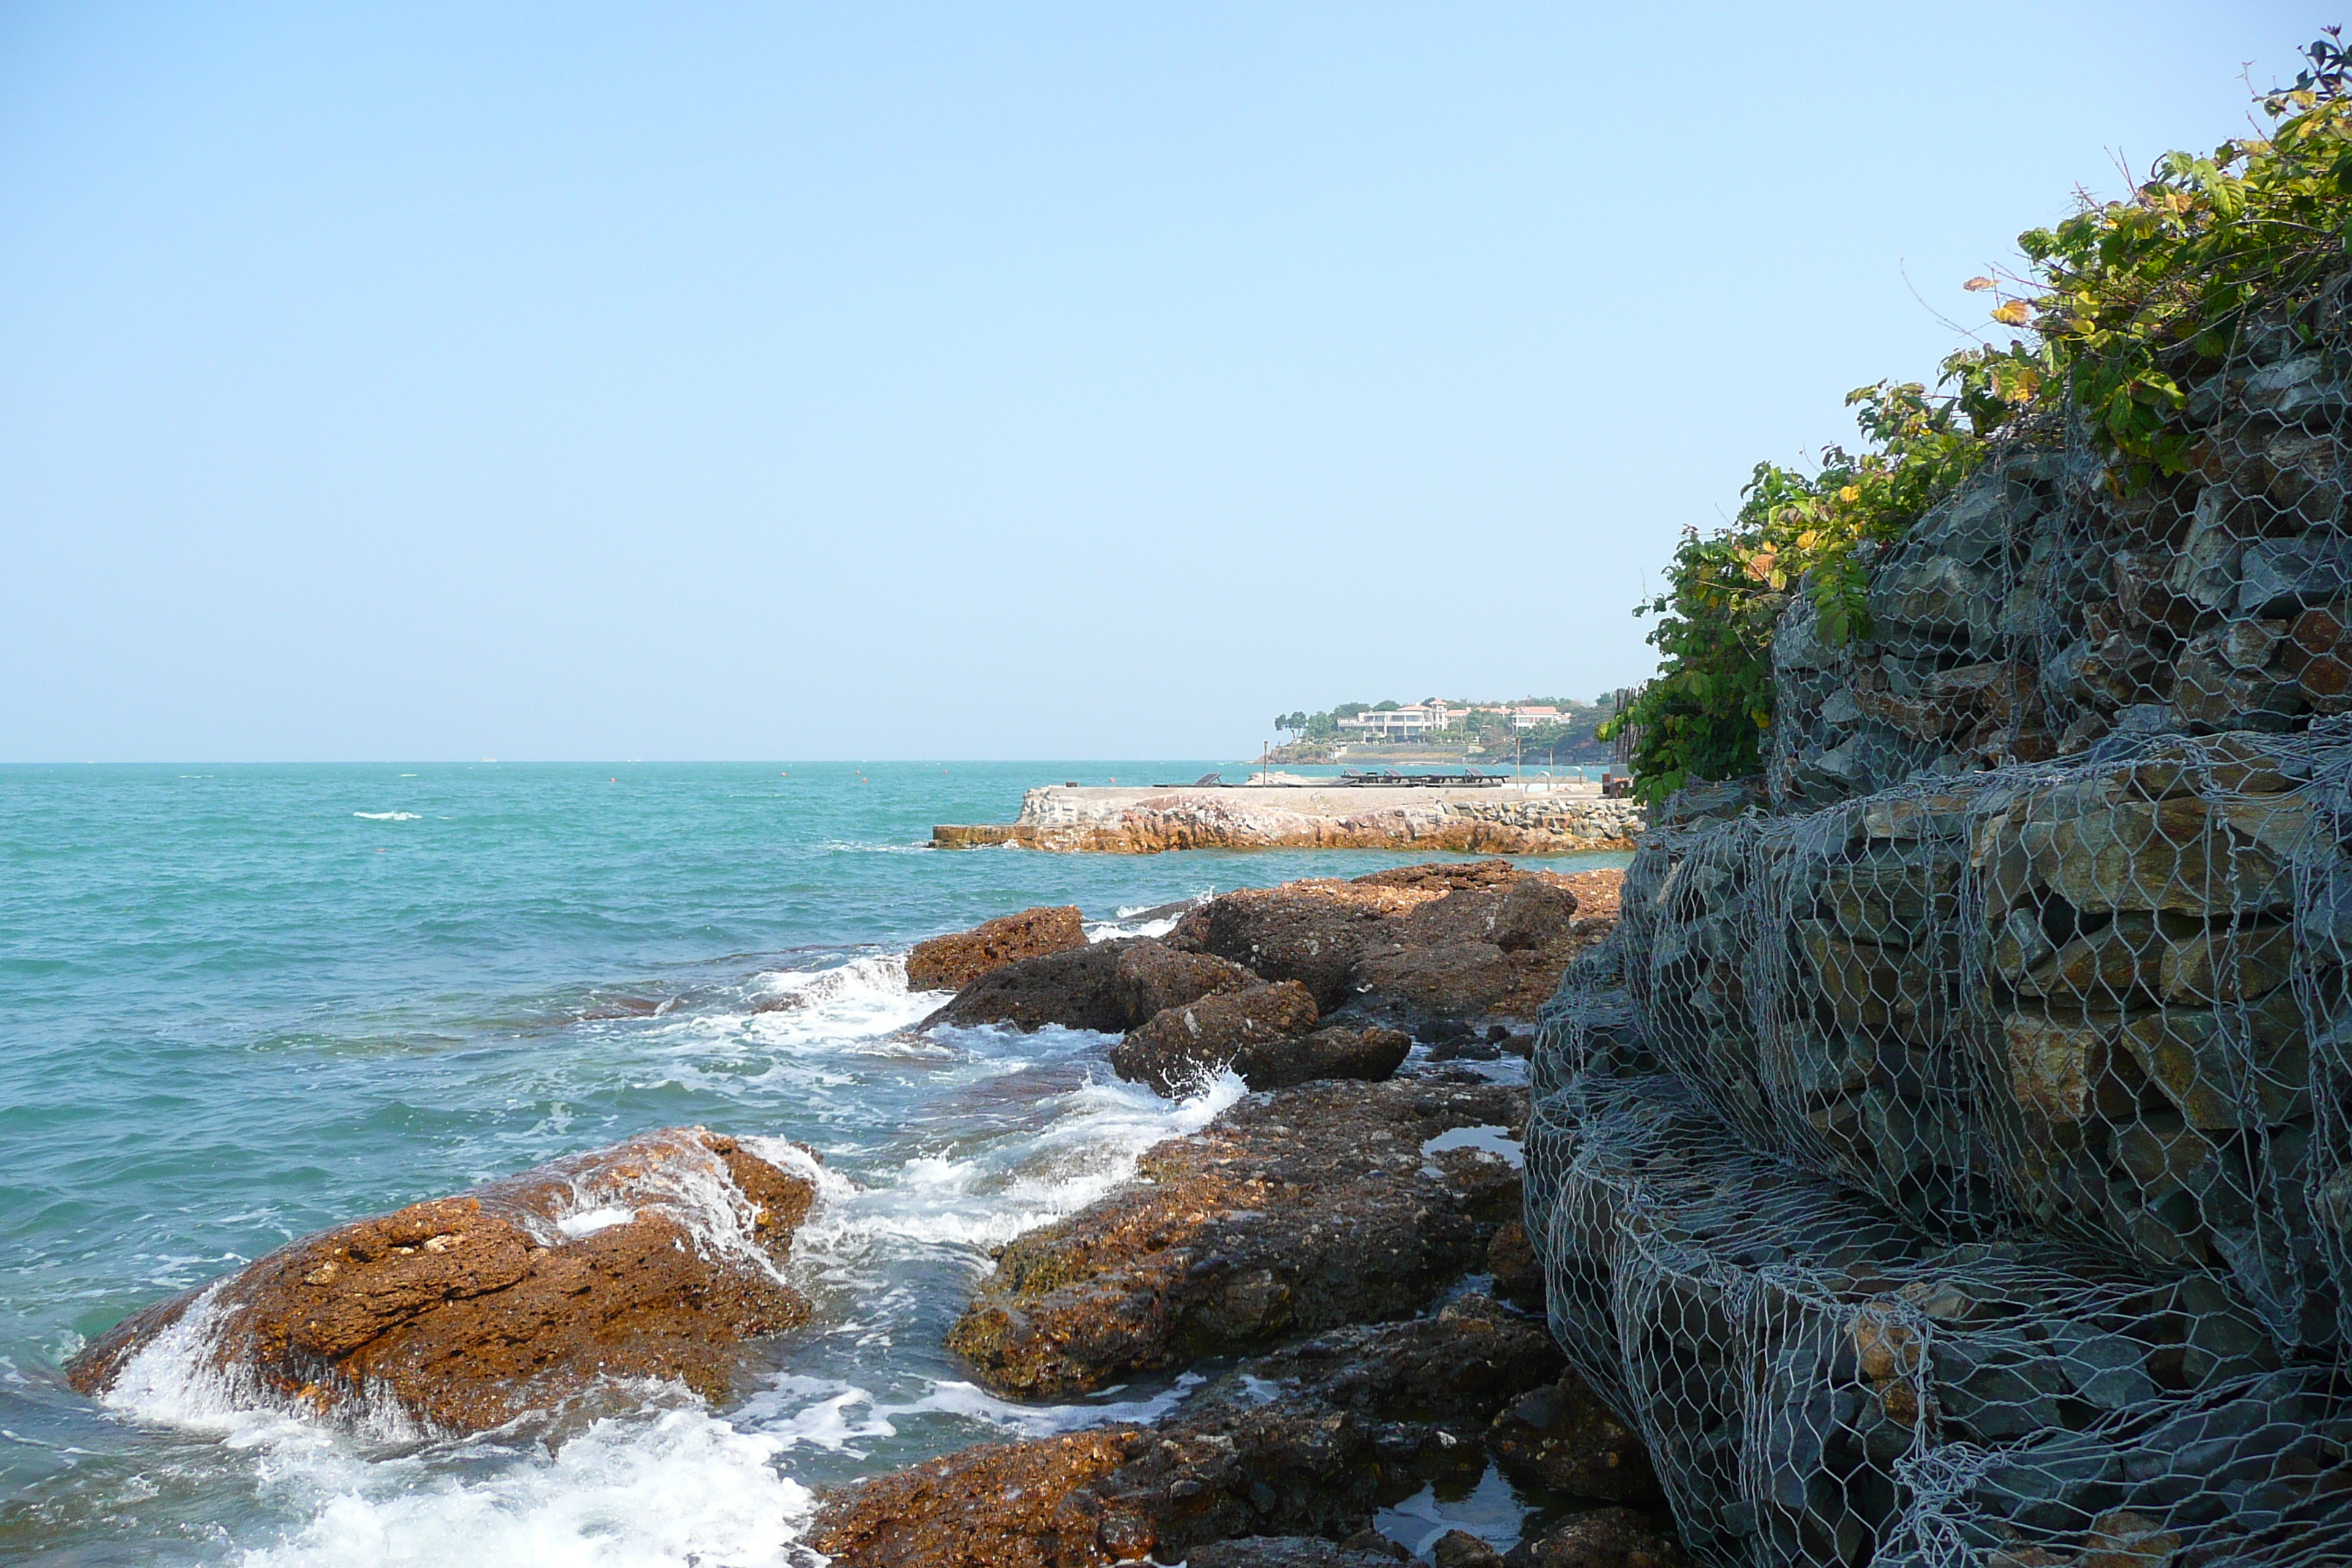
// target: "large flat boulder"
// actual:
[[1447, 940], [1106, 986], [952, 962], [1293, 1212], [654, 1258]]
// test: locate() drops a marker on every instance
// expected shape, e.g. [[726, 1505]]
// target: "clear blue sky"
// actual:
[[708, 382]]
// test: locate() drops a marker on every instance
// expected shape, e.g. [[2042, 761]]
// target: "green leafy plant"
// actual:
[[2126, 304]]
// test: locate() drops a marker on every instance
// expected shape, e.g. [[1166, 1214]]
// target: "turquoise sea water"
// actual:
[[243, 1003]]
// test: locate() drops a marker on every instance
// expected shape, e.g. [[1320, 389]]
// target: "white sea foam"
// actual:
[[864, 999], [588, 1222], [797, 1412], [387, 815], [668, 1487], [984, 1200]]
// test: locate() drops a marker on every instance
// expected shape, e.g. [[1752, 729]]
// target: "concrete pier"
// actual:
[[1517, 817]]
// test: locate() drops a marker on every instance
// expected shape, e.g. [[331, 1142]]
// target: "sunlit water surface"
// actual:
[[245, 1003]]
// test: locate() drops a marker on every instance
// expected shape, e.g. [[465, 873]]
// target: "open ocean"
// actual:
[[243, 1003]]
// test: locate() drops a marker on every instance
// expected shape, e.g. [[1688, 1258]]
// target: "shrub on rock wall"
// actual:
[[1980, 581]]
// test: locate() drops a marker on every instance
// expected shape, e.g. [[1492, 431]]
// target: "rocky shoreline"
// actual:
[[1350, 1232], [1337, 1261]]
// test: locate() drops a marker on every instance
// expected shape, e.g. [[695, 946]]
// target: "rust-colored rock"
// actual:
[[1561, 1436], [1303, 1442], [652, 1258], [1181, 1045], [1108, 986], [953, 962], [1447, 940], [1306, 1208]]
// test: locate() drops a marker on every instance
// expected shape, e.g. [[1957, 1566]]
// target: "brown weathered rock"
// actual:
[[953, 962], [1516, 1271], [1372, 1054], [999, 1505], [1181, 1045], [1108, 986], [1563, 1437], [1309, 1207], [1310, 931], [1459, 1548], [1440, 941], [1305, 1442], [1605, 1538], [467, 1312]]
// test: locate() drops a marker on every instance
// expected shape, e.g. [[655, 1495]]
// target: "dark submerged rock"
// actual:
[[1563, 1439]]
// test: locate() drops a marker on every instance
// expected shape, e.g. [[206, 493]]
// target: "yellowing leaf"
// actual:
[[1977, 285], [1850, 494], [2011, 312]]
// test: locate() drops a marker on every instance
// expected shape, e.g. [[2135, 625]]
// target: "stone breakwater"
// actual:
[[1510, 820]]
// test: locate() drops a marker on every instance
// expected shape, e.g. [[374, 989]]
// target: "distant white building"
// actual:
[[1419, 720], [1414, 721]]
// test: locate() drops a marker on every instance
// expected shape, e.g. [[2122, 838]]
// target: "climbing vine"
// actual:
[[2121, 309]]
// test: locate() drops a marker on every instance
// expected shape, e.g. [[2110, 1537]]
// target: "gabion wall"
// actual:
[[1949, 1161], [2037, 610]]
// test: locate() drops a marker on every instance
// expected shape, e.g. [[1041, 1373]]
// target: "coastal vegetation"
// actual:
[[2114, 317]]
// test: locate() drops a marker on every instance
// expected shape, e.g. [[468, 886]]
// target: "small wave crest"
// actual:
[[861, 1000], [978, 1200], [387, 816], [658, 1490]]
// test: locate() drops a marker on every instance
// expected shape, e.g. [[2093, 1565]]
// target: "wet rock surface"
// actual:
[[1295, 1211], [1284, 1460], [1108, 986], [952, 962], [1295, 1552], [1266, 1033], [652, 1259], [1605, 1538], [1563, 1439]]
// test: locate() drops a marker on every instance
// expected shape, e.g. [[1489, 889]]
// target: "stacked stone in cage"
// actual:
[[1793, 1354], [2059, 596], [1950, 1161]]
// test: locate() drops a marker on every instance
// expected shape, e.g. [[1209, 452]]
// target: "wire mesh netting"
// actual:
[[1949, 1159], [1795, 1355], [2047, 603], [2093, 995]]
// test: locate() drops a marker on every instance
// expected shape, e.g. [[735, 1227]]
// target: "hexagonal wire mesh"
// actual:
[[1799, 1360], [2046, 603]]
